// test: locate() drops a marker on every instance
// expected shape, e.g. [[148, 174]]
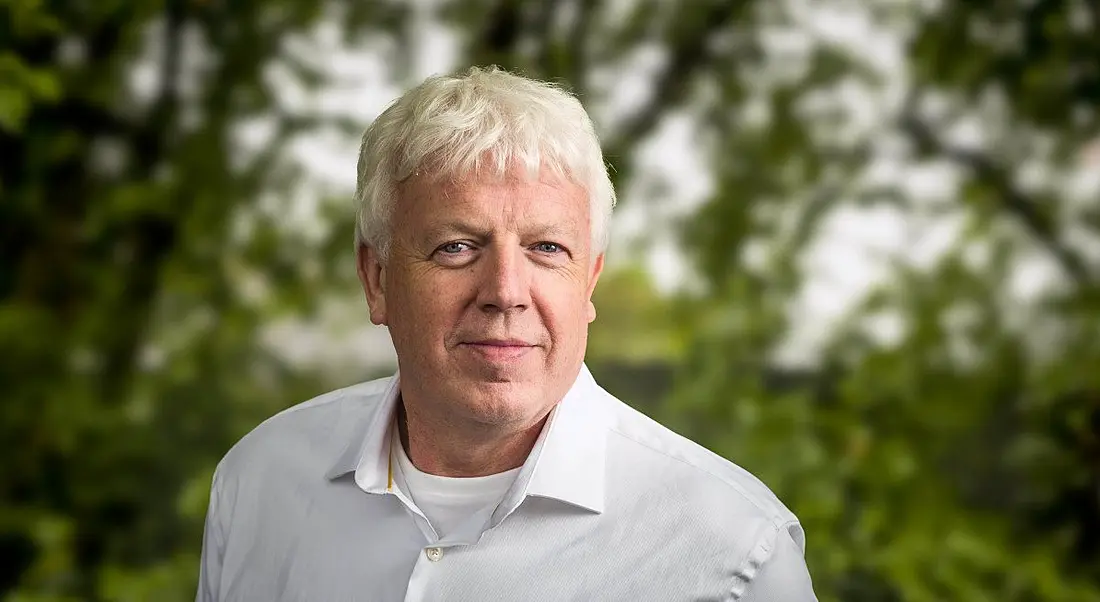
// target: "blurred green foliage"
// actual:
[[144, 251]]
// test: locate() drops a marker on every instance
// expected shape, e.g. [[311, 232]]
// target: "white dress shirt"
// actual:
[[609, 505]]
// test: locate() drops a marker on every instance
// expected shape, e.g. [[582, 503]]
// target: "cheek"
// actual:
[[430, 304], [567, 309]]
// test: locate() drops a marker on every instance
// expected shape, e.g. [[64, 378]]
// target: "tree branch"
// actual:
[[579, 45], [542, 23], [150, 237], [690, 54], [1016, 202], [498, 40]]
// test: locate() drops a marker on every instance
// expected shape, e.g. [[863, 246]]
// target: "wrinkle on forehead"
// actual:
[[447, 187], [432, 207], [486, 210]]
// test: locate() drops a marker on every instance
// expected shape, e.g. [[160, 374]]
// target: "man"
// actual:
[[491, 466]]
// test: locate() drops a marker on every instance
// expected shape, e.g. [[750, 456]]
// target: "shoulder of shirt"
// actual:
[[316, 424], [701, 466]]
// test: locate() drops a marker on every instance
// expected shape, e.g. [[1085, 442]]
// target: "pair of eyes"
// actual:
[[456, 247]]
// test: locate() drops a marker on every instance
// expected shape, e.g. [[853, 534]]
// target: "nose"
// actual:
[[505, 280]]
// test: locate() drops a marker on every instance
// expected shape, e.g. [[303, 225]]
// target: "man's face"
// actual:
[[487, 294]]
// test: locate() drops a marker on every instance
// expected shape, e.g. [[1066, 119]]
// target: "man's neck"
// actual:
[[445, 450]]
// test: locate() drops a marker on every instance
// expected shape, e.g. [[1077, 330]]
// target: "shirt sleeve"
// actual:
[[213, 549], [784, 576]]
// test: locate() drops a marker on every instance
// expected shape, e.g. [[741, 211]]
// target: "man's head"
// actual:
[[483, 207]]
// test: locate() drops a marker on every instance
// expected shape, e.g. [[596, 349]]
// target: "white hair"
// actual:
[[484, 119]]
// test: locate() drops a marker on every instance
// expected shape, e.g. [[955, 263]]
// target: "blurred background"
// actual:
[[857, 252]]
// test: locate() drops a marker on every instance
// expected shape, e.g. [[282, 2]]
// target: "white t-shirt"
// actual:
[[447, 501]]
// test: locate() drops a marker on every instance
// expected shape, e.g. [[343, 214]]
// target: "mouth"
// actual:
[[498, 343], [499, 350]]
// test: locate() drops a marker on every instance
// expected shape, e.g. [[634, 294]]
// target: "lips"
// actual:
[[498, 350], [499, 343]]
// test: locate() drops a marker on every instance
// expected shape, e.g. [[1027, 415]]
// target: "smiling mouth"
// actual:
[[499, 350], [499, 343]]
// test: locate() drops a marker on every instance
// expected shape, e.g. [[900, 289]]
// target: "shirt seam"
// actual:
[[775, 517], [750, 567]]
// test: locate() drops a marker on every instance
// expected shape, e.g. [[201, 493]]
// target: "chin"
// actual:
[[503, 402]]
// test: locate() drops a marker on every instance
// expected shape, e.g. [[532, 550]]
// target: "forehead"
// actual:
[[514, 195]]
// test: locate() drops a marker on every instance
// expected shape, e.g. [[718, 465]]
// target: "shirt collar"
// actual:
[[566, 463], [367, 452]]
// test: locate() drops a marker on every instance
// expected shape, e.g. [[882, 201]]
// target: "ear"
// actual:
[[372, 275], [593, 277]]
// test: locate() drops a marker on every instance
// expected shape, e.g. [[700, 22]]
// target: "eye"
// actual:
[[549, 248], [454, 248], [455, 253]]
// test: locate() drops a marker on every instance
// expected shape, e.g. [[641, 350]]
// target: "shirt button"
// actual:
[[434, 554]]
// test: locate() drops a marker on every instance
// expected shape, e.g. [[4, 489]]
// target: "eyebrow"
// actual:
[[448, 229], [463, 228], [550, 231]]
